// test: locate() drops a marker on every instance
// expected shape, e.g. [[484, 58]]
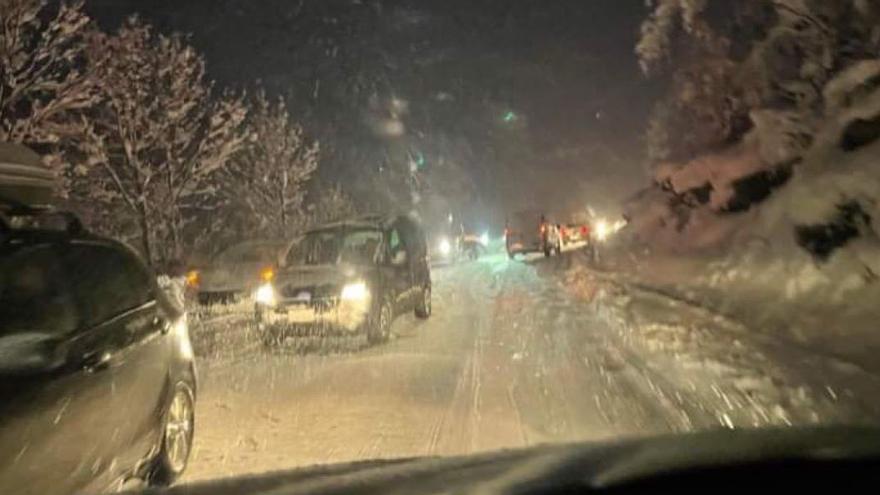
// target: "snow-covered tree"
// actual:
[[265, 186], [753, 83], [160, 137], [330, 204], [44, 77], [731, 58]]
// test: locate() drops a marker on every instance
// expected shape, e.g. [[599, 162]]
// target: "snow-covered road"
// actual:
[[517, 353]]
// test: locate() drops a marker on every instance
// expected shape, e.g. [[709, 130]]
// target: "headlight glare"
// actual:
[[355, 292], [445, 247], [265, 295]]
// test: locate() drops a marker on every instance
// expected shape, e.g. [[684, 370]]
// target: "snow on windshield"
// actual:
[[334, 246]]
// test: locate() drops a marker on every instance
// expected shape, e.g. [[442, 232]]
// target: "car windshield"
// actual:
[[328, 247], [395, 229], [248, 253]]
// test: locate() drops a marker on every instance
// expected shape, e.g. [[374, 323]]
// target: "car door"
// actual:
[[136, 352], [399, 271], [53, 397], [417, 257]]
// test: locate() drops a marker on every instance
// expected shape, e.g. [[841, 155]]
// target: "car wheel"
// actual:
[[380, 327], [177, 436], [423, 308]]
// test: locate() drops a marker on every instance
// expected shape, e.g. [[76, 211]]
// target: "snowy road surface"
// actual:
[[517, 353]]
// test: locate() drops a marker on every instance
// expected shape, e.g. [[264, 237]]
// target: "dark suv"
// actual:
[[349, 277], [97, 382]]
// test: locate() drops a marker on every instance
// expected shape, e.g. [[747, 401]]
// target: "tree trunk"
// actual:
[[146, 244]]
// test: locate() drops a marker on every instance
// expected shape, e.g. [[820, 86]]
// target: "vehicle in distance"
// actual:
[[574, 233], [351, 277], [97, 381], [788, 460], [234, 273], [443, 251], [528, 231]]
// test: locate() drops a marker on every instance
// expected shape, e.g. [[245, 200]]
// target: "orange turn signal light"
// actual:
[[192, 278], [267, 275]]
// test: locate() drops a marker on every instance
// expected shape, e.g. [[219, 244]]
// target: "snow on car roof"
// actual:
[[365, 222]]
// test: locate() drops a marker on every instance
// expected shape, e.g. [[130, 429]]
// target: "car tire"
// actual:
[[379, 327], [423, 308], [178, 426]]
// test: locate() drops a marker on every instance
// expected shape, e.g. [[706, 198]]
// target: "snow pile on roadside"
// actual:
[[806, 262]]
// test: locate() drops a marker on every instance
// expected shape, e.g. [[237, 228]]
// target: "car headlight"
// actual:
[[484, 239], [445, 247], [265, 295], [355, 292]]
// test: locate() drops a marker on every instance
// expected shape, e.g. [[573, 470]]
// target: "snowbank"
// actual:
[[805, 263]]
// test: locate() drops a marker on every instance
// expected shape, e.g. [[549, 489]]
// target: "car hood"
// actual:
[[708, 460], [304, 277], [230, 277]]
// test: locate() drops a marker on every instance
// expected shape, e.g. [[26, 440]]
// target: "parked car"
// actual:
[[97, 380], [351, 277], [529, 231], [234, 273]]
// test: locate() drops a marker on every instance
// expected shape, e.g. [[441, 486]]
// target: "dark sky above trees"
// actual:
[[537, 93]]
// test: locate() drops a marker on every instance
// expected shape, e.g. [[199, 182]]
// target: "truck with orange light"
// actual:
[[234, 273], [529, 231], [574, 233]]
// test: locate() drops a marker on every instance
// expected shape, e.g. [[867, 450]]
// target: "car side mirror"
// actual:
[[398, 258]]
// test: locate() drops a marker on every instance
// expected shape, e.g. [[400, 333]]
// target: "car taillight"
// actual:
[[543, 228], [583, 230]]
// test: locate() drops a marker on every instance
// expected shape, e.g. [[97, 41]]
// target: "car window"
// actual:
[[34, 296], [394, 242], [361, 246], [332, 246], [114, 283]]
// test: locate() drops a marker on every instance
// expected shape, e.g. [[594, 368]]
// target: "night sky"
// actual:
[[546, 94]]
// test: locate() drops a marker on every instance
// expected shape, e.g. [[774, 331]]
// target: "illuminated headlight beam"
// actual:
[[445, 247], [265, 295], [602, 230], [355, 292]]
